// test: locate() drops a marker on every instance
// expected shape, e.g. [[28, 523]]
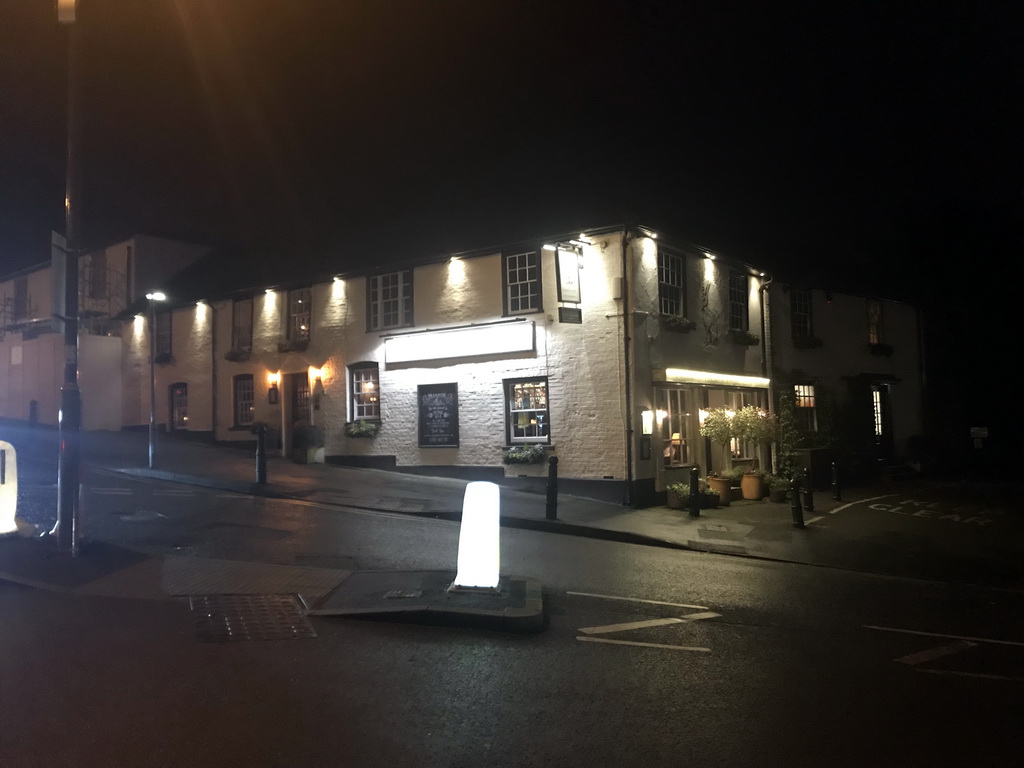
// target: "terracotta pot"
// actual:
[[752, 487], [723, 487]]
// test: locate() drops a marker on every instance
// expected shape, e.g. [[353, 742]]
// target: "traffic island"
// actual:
[[516, 605]]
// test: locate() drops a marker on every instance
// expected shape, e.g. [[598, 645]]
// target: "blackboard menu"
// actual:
[[439, 415]]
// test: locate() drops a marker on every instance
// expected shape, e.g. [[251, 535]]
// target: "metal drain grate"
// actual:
[[229, 618]]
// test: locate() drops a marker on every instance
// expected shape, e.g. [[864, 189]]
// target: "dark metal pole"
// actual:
[[694, 492], [152, 380], [808, 492], [70, 418], [261, 454], [797, 510], [837, 492], [551, 505]]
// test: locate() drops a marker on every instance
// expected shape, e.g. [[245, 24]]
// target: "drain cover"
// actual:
[[228, 618]]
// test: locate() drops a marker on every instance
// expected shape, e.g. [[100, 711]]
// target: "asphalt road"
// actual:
[[651, 657]]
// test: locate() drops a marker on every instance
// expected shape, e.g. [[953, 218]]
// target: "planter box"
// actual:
[[308, 455], [526, 470]]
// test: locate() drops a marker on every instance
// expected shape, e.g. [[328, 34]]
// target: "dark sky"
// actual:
[[860, 142]]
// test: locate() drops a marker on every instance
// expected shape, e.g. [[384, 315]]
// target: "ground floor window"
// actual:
[[803, 395], [245, 400], [876, 407], [678, 427], [526, 410], [179, 406], [365, 389]]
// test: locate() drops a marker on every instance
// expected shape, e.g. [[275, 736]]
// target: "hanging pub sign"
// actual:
[[439, 415], [568, 266]]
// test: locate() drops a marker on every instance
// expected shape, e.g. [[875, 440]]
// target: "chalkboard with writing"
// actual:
[[439, 415]]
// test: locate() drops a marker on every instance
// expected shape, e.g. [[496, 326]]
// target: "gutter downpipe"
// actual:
[[213, 369], [627, 330], [767, 363]]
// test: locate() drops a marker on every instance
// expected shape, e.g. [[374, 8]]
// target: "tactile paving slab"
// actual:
[[234, 618]]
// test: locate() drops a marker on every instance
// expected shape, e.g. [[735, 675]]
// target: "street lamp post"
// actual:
[[153, 297]]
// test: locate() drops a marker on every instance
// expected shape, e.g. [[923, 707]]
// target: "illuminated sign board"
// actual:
[[469, 341]]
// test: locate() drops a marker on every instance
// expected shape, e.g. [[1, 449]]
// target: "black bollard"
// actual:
[[551, 507], [808, 492], [261, 454], [837, 494], [694, 492], [798, 512]]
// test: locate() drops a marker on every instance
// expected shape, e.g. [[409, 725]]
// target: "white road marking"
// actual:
[[111, 491], [964, 674], [639, 600], [815, 519], [939, 634], [860, 501], [931, 654], [627, 626], [643, 645]]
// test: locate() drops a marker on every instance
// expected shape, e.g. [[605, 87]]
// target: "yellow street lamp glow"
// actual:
[[479, 545]]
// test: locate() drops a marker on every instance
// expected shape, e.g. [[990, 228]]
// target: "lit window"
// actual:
[[365, 391], [677, 426], [299, 314], [671, 284], [876, 406], [735, 401], [800, 313], [526, 408], [739, 311], [521, 275], [806, 419], [245, 399], [241, 325], [389, 300]]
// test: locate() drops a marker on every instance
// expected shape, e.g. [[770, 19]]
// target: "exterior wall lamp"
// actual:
[[273, 394]]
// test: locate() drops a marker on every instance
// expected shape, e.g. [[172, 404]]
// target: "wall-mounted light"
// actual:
[[269, 291], [273, 379], [647, 421], [549, 247]]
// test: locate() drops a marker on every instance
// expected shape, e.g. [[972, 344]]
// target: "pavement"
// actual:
[[943, 529]]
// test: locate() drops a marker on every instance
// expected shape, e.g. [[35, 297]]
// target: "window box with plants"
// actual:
[[743, 338], [361, 428], [523, 454], [678, 496], [677, 323], [807, 342], [238, 355]]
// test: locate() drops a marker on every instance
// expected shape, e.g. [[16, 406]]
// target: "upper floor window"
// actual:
[[244, 399], [365, 389], [241, 325], [874, 321], [526, 409], [299, 314], [671, 284], [21, 300], [389, 300], [163, 335], [803, 396], [521, 277], [800, 313], [739, 311]]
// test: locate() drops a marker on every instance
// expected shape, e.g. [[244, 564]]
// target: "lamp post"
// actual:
[[153, 297]]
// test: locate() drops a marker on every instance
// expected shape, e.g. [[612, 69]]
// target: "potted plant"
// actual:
[[718, 427], [777, 485], [678, 496], [361, 428], [307, 443], [758, 426], [677, 323], [743, 338]]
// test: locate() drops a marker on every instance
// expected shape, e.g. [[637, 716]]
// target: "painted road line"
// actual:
[[815, 519], [111, 491], [700, 616], [952, 672], [643, 645], [951, 637], [627, 626], [639, 600], [860, 501], [931, 654]]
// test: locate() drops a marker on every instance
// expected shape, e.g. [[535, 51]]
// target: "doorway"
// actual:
[[178, 399]]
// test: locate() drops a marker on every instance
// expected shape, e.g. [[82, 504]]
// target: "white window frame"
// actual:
[[364, 380], [244, 399], [389, 300], [525, 412], [521, 278], [800, 313], [671, 284], [677, 427], [739, 301], [300, 314]]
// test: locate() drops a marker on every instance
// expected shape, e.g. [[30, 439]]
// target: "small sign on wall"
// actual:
[[570, 315], [568, 266], [438, 415]]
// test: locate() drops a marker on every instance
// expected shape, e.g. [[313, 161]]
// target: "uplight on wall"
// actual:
[[647, 421]]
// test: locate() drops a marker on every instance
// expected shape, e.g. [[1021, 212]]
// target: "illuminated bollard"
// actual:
[[479, 549], [9, 522]]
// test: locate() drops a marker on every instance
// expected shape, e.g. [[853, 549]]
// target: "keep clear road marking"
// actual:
[[939, 634], [860, 501], [962, 644], [626, 626], [931, 654]]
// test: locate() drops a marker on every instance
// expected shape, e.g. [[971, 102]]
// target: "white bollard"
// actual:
[[8, 489], [479, 547]]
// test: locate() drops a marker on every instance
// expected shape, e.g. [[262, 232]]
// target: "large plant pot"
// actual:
[[752, 487], [723, 487]]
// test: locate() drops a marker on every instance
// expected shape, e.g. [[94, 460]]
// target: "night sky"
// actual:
[[870, 146]]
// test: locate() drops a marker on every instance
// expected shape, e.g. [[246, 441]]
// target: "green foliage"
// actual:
[[787, 437], [744, 338], [682, 490], [677, 323], [718, 426], [776, 482], [361, 428], [523, 454]]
